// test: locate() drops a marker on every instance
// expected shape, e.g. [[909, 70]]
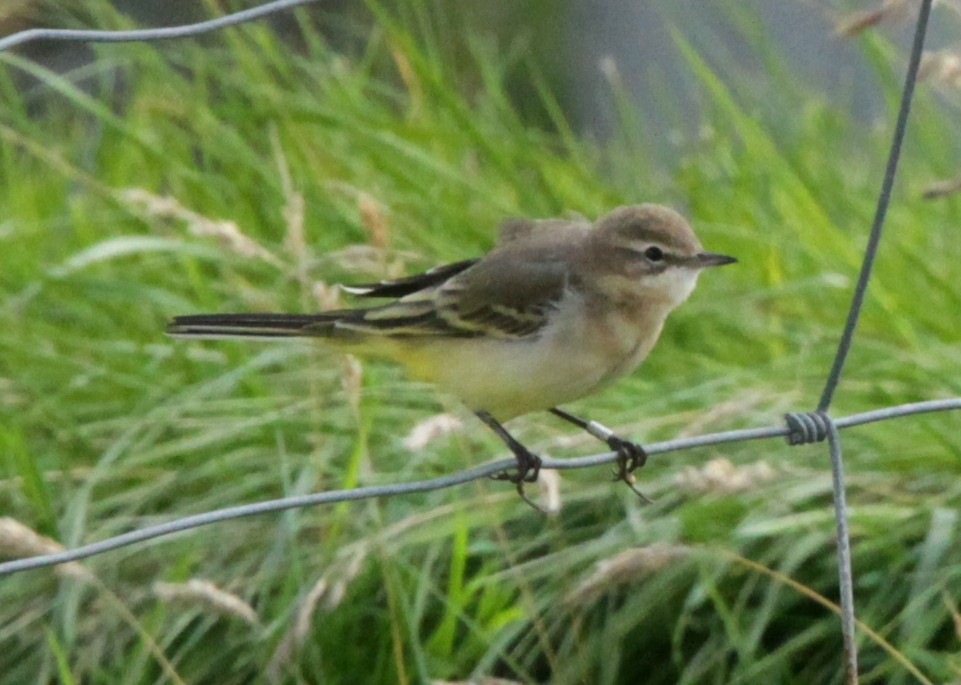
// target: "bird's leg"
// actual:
[[630, 455], [528, 463]]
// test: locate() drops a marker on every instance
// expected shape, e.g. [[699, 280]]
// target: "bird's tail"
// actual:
[[257, 325], [372, 328]]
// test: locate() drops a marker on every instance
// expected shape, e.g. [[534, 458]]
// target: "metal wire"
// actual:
[[884, 199], [447, 481], [800, 428], [164, 33], [845, 573]]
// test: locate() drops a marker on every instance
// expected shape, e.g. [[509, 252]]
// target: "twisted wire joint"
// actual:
[[807, 427]]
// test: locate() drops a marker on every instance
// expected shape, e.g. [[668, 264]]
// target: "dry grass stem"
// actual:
[[722, 476], [369, 260], [295, 237], [203, 593], [942, 188], [739, 405], [430, 429], [18, 541], [625, 567], [409, 77], [288, 647], [374, 221], [153, 207], [352, 381], [611, 72], [942, 66], [331, 593], [305, 616], [343, 578], [549, 483], [955, 614], [295, 240], [327, 296], [855, 23]]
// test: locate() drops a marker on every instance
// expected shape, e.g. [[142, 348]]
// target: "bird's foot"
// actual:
[[630, 457], [527, 470]]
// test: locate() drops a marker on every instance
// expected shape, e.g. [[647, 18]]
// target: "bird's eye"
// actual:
[[654, 253]]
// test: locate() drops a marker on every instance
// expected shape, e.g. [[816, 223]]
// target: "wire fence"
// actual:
[[800, 428], [808, 431]]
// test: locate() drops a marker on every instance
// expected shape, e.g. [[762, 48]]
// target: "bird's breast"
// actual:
[[626, 336], [582, 349]]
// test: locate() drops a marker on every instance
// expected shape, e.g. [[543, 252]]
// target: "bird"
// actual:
[[559, 309]]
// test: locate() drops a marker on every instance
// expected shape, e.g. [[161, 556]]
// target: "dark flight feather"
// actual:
[[410, 284]]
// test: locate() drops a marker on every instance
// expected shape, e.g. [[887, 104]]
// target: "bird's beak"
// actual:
[[704, 259]]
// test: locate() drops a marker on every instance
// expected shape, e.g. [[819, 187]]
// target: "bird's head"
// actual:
[[647, 251]]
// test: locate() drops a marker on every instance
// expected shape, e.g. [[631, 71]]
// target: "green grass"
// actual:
[[107, 425]]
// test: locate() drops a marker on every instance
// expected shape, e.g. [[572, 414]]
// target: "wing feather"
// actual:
[[511, 293], [410, 284]]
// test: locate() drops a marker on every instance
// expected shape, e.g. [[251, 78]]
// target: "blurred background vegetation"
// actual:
[[255, 168]]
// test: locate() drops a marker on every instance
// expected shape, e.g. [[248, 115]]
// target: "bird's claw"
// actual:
[[527, 470], [630, 457]]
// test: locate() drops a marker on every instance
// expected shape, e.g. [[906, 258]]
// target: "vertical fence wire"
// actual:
[[845, 572], [884, 199], [821, 425]]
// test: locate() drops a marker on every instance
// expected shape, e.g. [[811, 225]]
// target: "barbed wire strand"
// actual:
[[805, 427], [163, 33], [845, 572], [458, 478]]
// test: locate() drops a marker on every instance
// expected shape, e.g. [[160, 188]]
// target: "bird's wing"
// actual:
[[510, 293], [505, 295], [409, 284]]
